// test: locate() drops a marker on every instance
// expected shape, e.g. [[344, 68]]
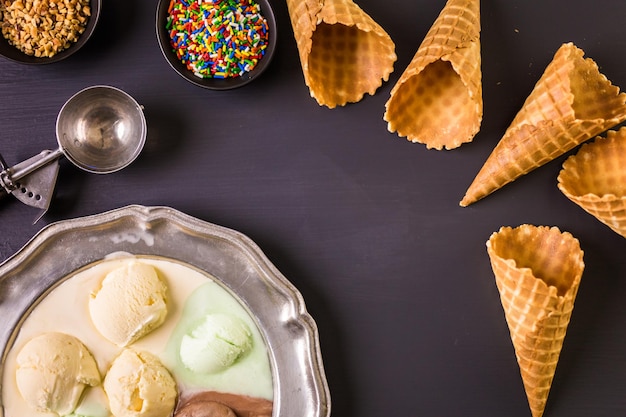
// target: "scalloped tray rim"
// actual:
[[305, 392]]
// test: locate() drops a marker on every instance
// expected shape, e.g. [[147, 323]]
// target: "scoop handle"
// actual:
[[22, 169], [3, 167], [9, 176]]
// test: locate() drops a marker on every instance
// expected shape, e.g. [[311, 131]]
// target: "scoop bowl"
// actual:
[[101, 129]]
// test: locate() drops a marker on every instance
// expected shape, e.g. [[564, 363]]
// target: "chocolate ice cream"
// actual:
[[206, 404]]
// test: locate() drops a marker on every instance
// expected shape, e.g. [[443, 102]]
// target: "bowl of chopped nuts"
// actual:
[[220, 44], [46, 31]]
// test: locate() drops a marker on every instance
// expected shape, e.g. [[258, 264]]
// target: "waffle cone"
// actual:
[[538, 271], [571, 103], [595, 179], [438, 99], [344, 53]]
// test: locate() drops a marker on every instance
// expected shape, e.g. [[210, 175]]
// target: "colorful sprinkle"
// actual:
[[217, 38]]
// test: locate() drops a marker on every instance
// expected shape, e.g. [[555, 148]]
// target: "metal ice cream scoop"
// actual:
[[100, 129]]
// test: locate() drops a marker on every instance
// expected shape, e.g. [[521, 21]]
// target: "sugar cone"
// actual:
[[438, 99], [538, 271], [571, 103], [344, 53], [595, 179]]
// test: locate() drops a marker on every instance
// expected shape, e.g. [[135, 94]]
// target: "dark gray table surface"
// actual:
[[364, 223]]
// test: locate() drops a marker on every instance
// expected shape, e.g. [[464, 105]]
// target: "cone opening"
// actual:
[[346, 62], [552, 256], [434, 107], [599, 168], [594, 95]]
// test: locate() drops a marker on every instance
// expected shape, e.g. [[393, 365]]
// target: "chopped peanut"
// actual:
[[42, 28]]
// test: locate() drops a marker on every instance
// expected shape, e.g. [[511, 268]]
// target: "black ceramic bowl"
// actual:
[[12, 53], [215, 83]]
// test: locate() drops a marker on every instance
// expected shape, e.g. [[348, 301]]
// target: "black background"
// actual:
[[366, 224]]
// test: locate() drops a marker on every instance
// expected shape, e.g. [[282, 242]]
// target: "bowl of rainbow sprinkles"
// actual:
[[217, 44]]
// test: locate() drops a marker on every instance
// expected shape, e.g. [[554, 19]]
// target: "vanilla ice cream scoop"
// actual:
[[130, 303], [216, 343], [138, 385], [53, 369]]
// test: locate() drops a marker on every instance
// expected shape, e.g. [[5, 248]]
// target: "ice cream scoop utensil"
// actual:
[[100, 129]]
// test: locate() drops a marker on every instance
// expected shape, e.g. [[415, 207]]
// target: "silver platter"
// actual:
[[60, 249]]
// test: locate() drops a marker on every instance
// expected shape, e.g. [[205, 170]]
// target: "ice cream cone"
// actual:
[[538, 271], [571, 103], [344, 53], [595, 179], [438, 99]]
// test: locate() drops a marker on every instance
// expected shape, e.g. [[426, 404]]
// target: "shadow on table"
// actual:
[[116, 18], [164, 138]]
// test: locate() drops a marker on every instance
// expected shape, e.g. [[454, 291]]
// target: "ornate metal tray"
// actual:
[[59, 249]]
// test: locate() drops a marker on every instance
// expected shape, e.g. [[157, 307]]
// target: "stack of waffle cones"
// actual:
[[438, 99], [571, 103], [344, 53], [538, 272], [595, 179]]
